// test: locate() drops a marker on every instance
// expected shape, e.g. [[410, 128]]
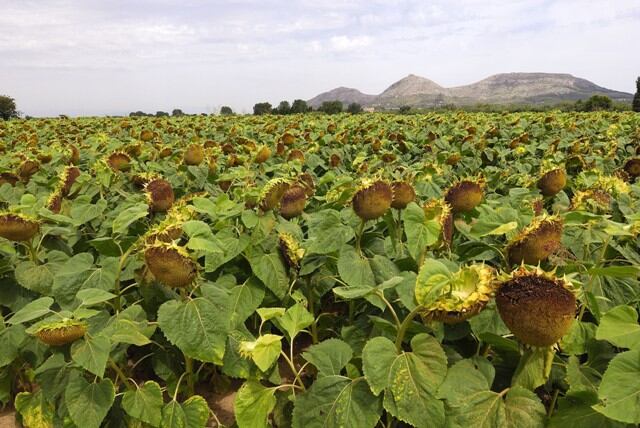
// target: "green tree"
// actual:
[[405, 109], [284, 107], [331, 107], [162, 114], [354, 108], [598, 102], [177, 112], [299, 106], [226, 111], [8, 109], [262, 108], [636, 98]]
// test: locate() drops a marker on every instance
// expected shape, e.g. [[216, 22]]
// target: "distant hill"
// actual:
[[505, 88]]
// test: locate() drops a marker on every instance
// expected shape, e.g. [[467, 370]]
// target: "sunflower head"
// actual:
[[465, 195], [293, 201], [537, 307], [372, 199], [272, 193], [438, 209], [159, 195], [632, 167], [67, 178], [193, 154], [18, 227], [290, 251], [452, 297], [119, 161], [552, 182], [61, 332], [403, 194], [263, 154], [537, 241], [170, 264]]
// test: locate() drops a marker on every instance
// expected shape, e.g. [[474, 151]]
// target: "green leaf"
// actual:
[[11, 339], [579, 335], [33, 310], [619, 326], [38, 278], [92, 353], [264, 351], [35, 410], [128, 216], [93, 296], [327, 233], [463, 380], [88, 403], [253, 404], [421, 233], [196, 412], [486, 409], [576, 412], [145, 403], [530, 372], [294, 320], [173, 416], [196, 327], [271, 271], [329, 356], [71, 277], [337, 401], [414, 378], [619, 390], [378, 356], [244, 299], [616, 271], [432, 278], [354, 269], [269, 313]]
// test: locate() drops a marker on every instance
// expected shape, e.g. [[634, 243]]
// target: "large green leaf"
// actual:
[[11, 339], [409, 379], [327, 233], [487, 409], [354, 269], [337, 401], [244, 299], [619, 390], [126, 217], [421, 233], [88, 403], [145, 403], [463, 379], [92, 353], [35, 410], [32, 310], [196, 327], [196, 412], [38, 278], [620, 327], [264, 351], [294, 320], [329, 356], [253, 404], [71, 277], [271, 271]]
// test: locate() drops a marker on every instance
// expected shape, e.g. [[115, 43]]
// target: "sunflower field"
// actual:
[[373, 270]]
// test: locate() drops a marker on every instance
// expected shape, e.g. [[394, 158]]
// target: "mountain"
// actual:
[[346, 95], [505, 88]]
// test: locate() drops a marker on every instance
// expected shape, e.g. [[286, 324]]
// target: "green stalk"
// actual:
[[188, 364], [404, 326]]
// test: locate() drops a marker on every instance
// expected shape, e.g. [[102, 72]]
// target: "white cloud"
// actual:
[[346, 43]]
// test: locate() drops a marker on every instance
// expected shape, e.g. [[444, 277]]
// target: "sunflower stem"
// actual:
[[188, 364], [404, 326], [359, 237]]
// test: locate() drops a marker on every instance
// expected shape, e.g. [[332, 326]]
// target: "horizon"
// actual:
[[99, 58]]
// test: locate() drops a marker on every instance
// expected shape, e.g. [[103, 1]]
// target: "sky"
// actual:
[[96, 57]]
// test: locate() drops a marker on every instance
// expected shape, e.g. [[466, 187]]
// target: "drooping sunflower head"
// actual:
[[403, 194], [18, 227], [263, 154], [372, 199], [159, 195], [193, 154], [593, 200], [119, 161], [290, 251], [293, 202], [170, 264], [68, 176], [452, 297], [632, 167], [61, 332], [272, 193], [54, 202], [538, 307], [537, 241], [465, 195], [552, 182]]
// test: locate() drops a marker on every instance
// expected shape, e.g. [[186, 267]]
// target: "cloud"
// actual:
[[346, 43]]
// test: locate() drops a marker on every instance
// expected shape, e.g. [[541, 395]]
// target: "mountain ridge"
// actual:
[[503, 88]]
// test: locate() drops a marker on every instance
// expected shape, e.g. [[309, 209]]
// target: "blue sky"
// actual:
[[84, 57]]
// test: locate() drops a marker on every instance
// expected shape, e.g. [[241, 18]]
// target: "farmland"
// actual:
[[442, 269]]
